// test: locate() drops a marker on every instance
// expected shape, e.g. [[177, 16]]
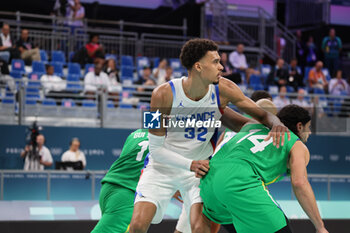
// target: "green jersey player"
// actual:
[[234, 190], [119, 185]]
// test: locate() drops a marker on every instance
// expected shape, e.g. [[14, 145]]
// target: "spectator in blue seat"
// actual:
[[114, 86], [28, 51], [96, 80], [38, 157], [300, 101], [337, 85], [148, 82], [317, 79], [51, 83], [279, 74], [281, 100], [295, 76]]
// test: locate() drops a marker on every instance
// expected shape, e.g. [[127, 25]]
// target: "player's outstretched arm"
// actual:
[[299, 158], [230, 92], [233, 120], [161, 100]]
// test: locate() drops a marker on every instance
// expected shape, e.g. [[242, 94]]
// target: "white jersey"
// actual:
[[195, 143]]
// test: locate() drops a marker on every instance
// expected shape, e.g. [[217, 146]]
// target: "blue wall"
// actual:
[[101, 146], [329, 154]]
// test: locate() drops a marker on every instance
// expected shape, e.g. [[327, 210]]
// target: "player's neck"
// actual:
[[194, 87]]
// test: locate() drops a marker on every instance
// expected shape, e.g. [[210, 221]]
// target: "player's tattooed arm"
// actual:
[[230, 92]]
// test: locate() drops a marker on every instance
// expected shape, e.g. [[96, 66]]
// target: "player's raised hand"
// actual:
[[200, 167], [276, 133]]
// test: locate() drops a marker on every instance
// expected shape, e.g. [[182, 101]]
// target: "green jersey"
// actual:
[[269, 162], [126, 170]]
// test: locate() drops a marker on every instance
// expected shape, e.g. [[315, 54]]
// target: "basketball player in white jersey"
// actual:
[[179, 158]]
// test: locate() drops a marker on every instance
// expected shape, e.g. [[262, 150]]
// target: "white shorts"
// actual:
[[158, 187], [183, 224]]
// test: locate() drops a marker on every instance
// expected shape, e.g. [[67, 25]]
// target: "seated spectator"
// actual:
[[114, 86], [145, 80], [25, 46], [51, 83], [159, 72], [74, 154], [337, 85], [317, 80], [37, 158], [90, 51], [300, 101], [238, 59], [5, 78], [96, 80], [227, 72], [7, 46], [279, 74], [281, 100], [295, 76], [168, 74]]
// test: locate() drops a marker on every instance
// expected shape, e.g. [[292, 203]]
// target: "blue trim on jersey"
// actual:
[[214, 139], [173, 89], [146, 160], [217, 95]]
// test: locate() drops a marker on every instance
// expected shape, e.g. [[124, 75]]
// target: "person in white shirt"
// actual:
[[37, 158], [238, 59], [300, 101], [160, 72], [75, 14], [337, 85], [74, 154], [50, 82], [6, 44], [281, 100], [96, 80]]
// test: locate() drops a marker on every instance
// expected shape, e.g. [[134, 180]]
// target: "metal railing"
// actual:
[[47, 175]]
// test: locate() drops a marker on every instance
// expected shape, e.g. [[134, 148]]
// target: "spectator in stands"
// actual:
[[331, 47], [60, 8], [279, 74], [168, 74], [5, 78], [281, 100], [114, 86], [301, 101], [28, 51], [96, 80], [75, 14], [51, 83], [7, 46], [74, 154], [148, 82], [227, 72], [160, 72], [312, 52], [337, 85], [295, 76], [38, 158], [301, 49], [257, 95], [317, 79], [90, 51], [238, 59]]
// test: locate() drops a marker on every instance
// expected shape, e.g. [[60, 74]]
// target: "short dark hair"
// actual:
[[92, 35], [257, 95], [193, 50], [291, 115]]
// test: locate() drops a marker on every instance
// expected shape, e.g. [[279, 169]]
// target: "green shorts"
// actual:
[[117, 205], [233, 193]]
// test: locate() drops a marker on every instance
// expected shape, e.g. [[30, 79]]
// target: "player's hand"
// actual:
[[200, 167], [322, 230], [178, 197], [276, 133]]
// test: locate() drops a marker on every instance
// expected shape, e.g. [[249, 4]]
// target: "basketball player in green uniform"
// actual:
[[119, 185], [234, 189]]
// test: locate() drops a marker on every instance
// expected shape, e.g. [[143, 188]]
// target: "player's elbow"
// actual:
[[299, 183]]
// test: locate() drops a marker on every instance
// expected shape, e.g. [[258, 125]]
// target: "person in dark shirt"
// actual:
[[148, 82], [295, 78], [279, 74], [28, 51], [331, 46]]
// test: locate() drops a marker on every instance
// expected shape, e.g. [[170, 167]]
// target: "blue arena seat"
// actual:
[[49, 102], [58, 68], [89, 104], [58, 56], [89, 68], [34, 80], [38, 67], [127, 61], [43, 56], [8, 101], [175, 63], [74, 68], [17, 65], [73, 83], [68, 103], [30, 101], [16, 74], [110, 104], [32, 93], [127, 71]]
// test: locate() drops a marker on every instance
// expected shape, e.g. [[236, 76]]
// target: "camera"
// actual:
[[31, 133]]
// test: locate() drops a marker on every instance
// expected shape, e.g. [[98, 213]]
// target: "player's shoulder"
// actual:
[[162, 94]]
